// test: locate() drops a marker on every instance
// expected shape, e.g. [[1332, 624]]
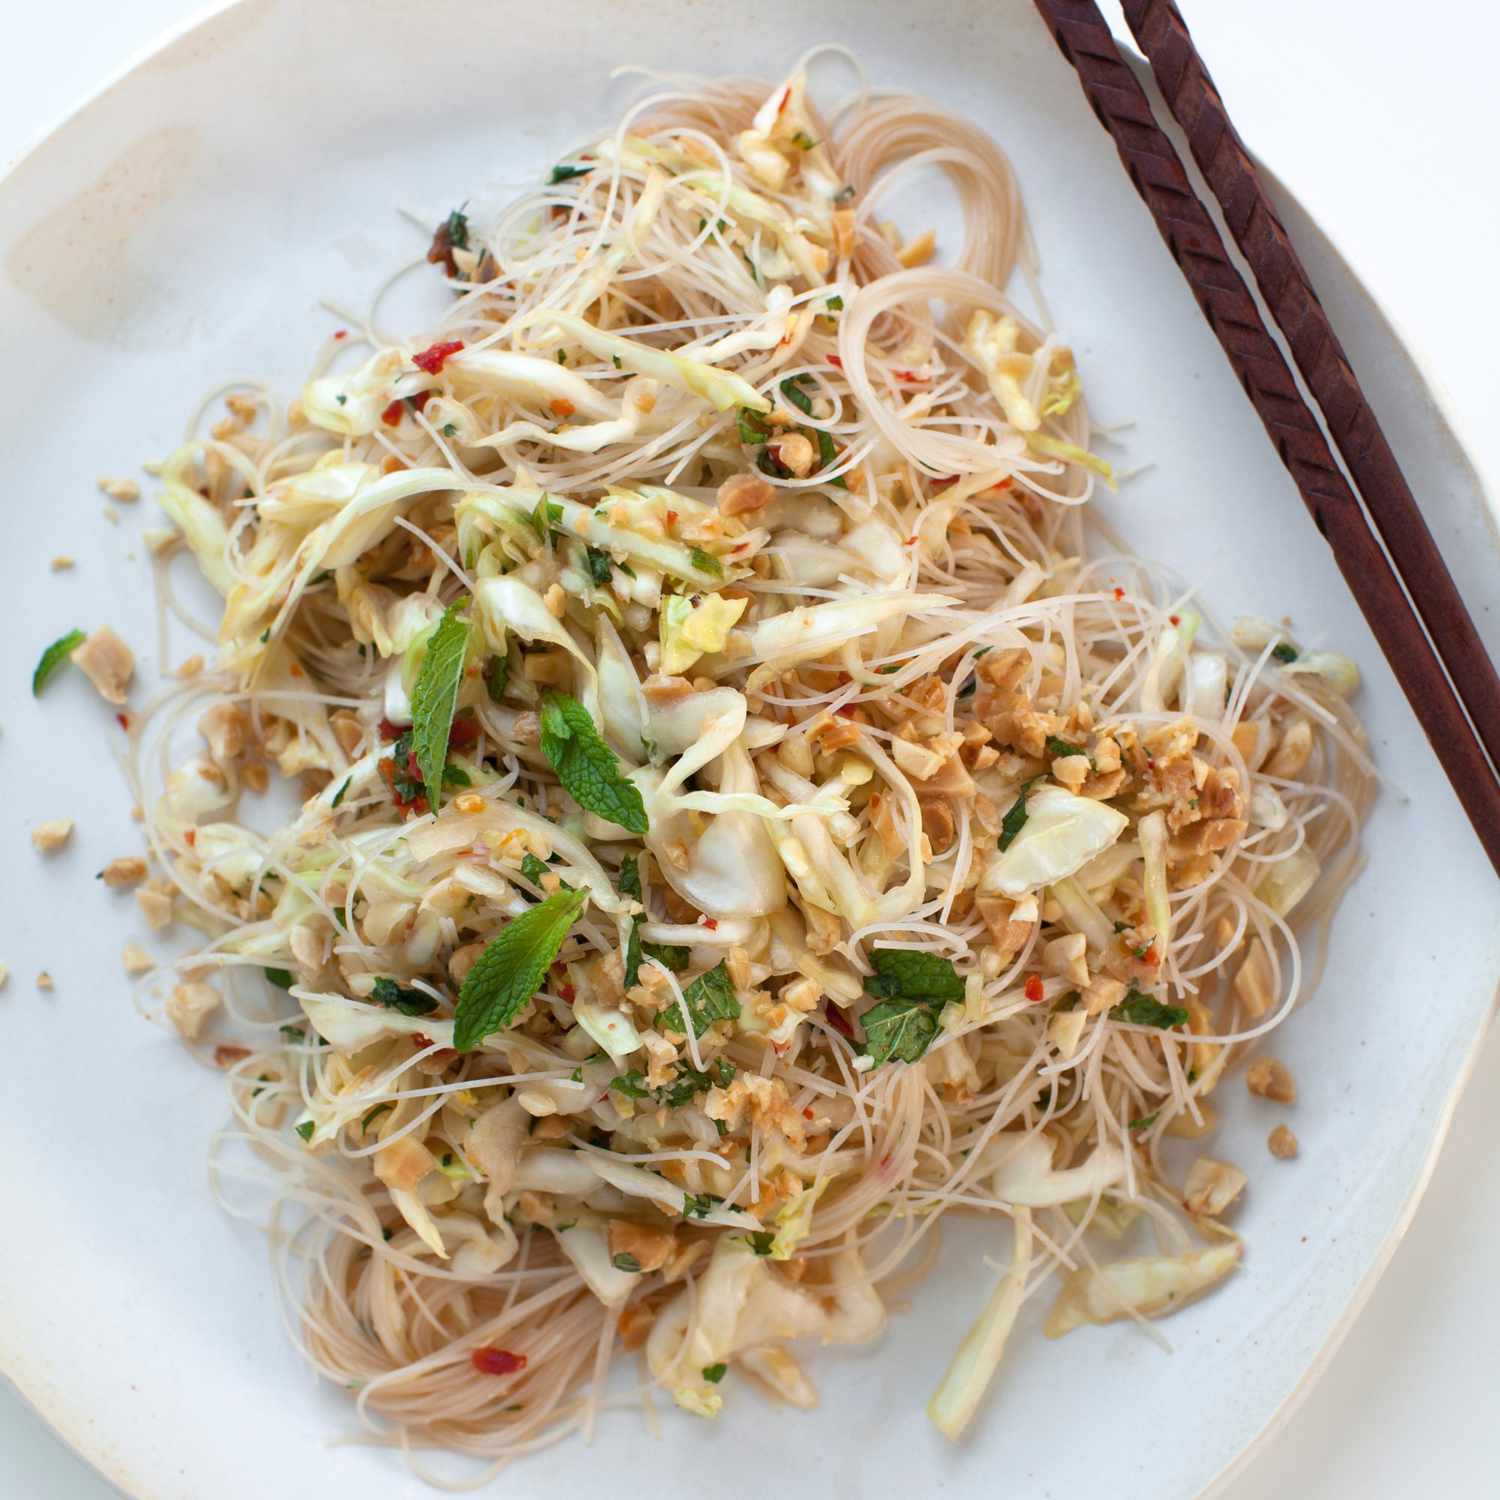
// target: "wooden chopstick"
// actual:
[[1229, 171], [1160, 178]]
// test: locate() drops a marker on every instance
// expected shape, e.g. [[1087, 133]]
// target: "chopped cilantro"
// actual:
[[761, 1240], [713, 1374], [566, 170], [1284, 652], [625, 1261]]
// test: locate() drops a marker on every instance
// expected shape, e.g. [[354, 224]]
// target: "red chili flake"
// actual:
[[835, 361], [392, 414], [464, 732], [562, 407], [341, 333], [1034, 988], [224, 1055], [1150, 958], [1174, 619], [123, 720], [1119, 593], [909, 376], [567, 992], [420, 1040], [435, 356], [497, 1361], [846, 710], [1004, 484], [807, 1113], [839, 1021], [190, 837], [671, 518], [391, 465], [420, 400], [945, 481], [911, 541], [711, 923]]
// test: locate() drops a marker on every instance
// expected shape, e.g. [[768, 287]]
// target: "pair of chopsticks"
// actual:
[[1403, 587]]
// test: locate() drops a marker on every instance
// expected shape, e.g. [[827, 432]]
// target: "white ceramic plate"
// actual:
[[180, 230]]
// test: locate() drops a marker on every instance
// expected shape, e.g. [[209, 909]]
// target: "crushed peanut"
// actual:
[[51, 834], [136, 959], [1269, 1079], [125, 871], [1283, 1143]]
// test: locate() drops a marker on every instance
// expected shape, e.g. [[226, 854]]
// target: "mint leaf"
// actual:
[[630, 877], [510, 971], [1014, 820], [435, 697], [53, 658], [305, 1129], [1056, 746], [397, 997], [668, 955], [907, 974], [281, 978], [1146, 1010], [902, 1029], [631, 1084], [710, 998], [761, 1240], [586, 766], [496, 675], [633, 954]]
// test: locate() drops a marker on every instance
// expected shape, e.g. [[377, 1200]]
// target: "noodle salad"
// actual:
[[747, 809]]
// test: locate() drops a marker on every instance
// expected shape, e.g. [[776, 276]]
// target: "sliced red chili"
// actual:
[[435, 356], [1034, 988], [497, 1361], [839, 1021], [392, 414]]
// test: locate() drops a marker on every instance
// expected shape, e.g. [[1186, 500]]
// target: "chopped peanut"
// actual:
[[44, 980], [122, 873], [136, 959], [648, 1248], [744, 492], [107, 662], [61, 563], [126, 490], [190, 1005], [794, 452], [1283, 1143], [155, 905], [1269, 1079], [52, 834]]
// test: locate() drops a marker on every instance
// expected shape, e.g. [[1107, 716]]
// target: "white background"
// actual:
[[1384, 124]]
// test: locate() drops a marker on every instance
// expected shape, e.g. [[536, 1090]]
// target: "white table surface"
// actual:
[[1390, 139]]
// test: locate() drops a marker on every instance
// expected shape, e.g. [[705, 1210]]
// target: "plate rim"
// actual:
[[72, 1427]]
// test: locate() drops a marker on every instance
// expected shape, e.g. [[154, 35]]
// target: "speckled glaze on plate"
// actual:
[[178, 231]]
